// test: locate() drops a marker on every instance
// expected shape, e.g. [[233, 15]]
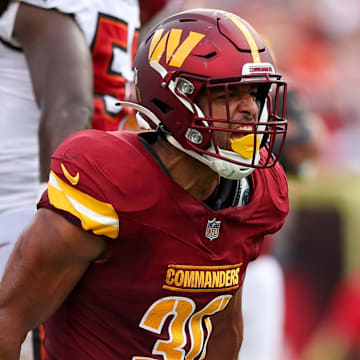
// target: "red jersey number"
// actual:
[[113, 52]]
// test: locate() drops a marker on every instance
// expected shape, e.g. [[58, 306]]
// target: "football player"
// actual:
[[141, 242]]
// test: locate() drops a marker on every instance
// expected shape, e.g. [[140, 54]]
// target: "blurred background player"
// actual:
[[44, 98], [46, 94]]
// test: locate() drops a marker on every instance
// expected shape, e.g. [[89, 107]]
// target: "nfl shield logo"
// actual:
[[212, 229]]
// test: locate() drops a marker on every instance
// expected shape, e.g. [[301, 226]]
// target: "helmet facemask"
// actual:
[[200, 140]]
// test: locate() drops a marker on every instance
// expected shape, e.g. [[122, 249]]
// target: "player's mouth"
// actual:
[[244, 142]]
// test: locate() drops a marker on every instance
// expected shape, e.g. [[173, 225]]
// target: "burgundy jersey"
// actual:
[[172, 262]]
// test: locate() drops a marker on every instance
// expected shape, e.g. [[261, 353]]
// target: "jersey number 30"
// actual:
[[184, 321]]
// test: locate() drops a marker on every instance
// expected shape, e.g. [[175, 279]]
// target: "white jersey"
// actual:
[[19, 114]]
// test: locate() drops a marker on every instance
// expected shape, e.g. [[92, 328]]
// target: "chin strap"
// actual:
[[224, 168]]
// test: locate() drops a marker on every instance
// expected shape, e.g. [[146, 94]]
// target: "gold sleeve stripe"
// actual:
[[95, 215], [250, 39]]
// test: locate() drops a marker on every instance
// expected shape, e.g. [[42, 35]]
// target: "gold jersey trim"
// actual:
[[199, 290], [201, 267], [94, 215]]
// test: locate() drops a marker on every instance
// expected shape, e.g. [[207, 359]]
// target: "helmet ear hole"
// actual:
[[164, 108]]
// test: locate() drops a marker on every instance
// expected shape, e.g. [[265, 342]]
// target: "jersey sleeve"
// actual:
[[65, 6], [7, 21], [76, 183]]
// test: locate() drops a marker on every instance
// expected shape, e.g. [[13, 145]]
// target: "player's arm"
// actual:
[[226, 337], [61, 70], [49, 259]]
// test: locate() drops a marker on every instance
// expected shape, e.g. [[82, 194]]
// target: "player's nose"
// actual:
[[247, 104]]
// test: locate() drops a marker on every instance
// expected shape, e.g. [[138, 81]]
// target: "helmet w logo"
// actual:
[[176, 53]]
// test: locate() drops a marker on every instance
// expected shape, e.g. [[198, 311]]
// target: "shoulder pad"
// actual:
[[76, 182]]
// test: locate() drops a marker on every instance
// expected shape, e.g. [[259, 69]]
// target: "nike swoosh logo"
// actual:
[[73, 180], [4, 244]]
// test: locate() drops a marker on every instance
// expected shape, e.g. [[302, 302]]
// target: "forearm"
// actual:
[[9, 351], [60, 65], [10, 340]]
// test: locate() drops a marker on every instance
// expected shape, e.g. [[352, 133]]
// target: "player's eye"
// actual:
[[220, 96]]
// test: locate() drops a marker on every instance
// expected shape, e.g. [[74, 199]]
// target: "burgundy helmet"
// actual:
[[207, 49]]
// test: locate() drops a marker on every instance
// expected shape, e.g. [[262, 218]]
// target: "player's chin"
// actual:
[[227, 146]]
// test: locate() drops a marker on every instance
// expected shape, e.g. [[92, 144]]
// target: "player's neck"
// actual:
[[196, 178]]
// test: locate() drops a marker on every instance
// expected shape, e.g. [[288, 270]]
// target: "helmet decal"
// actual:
[[175, 54], [250, 39]]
